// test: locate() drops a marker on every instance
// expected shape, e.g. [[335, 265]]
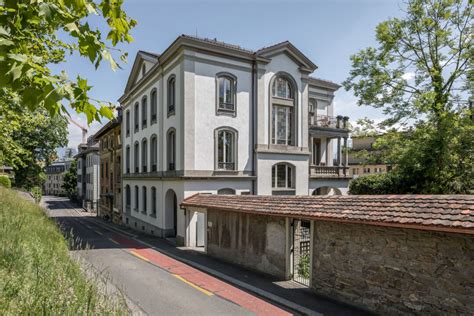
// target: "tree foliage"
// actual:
[[35, 34], [419, 75], [70, 181]]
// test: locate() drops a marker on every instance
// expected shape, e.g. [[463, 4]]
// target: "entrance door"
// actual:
[[316, 152], [301, 251], [200, 230]]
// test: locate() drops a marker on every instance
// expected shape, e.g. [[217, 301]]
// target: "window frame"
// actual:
[[136, 156], [137, 196], [144, 199], [144, 155], [235, 136], [171, 101], [136, 117], [144, 104], [153, 106], [153, 201], [154, 153], [290, 181], [222, 110], [171, 152], [127, 159]]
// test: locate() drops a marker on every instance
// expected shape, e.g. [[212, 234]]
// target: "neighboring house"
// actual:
[[88, 160], [360, 166], [110, 149], [55, 178], [206, 116]]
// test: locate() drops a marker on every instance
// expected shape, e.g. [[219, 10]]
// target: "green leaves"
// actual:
[[29, 45]]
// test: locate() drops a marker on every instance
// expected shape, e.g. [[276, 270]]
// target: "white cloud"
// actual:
[[408, 76]]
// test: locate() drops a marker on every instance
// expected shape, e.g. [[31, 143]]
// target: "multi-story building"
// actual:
[[88, 161], [206, 116], [55, 172], [363, 159], [110, 150]]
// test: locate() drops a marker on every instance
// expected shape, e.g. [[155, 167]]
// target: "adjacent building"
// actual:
[[88, 161], [211, 117], [360, 164], [110, 183], [55, 172]]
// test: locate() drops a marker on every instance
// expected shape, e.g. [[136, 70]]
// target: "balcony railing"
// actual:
[[339, 122], [333, 171]]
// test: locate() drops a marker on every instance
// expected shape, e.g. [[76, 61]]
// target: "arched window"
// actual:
[[136, 117], [171, 149], [127, 123], [144, 155], [226, 145], [283, 112], [153, 201], [143, 69], [171, 95], [154, 153], [226, 93], [283, 179], [136, 199], [127, 196], [144, 111], [154, 106], [226, 191], [144, 206], [136, 155], [127, 159]]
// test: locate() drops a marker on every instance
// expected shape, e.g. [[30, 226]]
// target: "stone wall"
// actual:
[[256, 242], [394, 271]]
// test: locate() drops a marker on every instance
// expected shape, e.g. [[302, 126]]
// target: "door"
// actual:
[[301, 251], [200, 229], [316, 152]]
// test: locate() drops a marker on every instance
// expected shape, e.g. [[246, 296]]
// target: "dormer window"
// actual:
[[226, 93]]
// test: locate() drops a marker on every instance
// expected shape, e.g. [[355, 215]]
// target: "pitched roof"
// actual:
[[453, 213]]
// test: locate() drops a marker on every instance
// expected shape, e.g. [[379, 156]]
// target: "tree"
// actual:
[[419, 76], [70, 181], [35, 34]]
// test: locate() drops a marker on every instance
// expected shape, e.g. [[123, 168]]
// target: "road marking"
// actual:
[[98, 232], [193, 285], [114, 241], [139, 256]]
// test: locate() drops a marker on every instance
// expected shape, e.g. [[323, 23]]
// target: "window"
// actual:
[[226, 93], [136, 155], [154, 106], [144, 155], [127, 159], [226, 153], [136, 114], [144, 112], [153, 201], [127, 196], [283, 179], [171, 95], [154, 153], [283, 112], [143, 69], [136, 198], [226, 191], [144, 209], [171, 149]]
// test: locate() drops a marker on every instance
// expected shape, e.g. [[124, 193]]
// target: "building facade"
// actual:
[[206, 116], [55, 172], [363, 159], [88, 160], [110, 150]]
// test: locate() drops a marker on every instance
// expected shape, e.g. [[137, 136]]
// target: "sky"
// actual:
[[326, 31]]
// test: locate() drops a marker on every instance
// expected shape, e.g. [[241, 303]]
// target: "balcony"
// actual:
[[329, 172], [325, 121]]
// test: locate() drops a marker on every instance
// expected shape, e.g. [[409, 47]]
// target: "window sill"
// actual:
[[232, 113], [171, 113]]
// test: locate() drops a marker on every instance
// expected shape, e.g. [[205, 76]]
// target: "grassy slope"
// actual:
[[37, 275]]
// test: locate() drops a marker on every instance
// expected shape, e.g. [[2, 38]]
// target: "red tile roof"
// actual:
[[453, 213]]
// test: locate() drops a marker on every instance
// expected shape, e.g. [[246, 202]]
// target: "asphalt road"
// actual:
[[143, 276]]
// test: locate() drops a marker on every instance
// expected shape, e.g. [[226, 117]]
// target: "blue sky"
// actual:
[[327, 31]]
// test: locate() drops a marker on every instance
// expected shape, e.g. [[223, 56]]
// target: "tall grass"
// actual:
[[37, 275]]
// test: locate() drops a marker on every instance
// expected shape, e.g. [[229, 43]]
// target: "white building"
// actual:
[[206, 116], [55, 172], [88, 161]]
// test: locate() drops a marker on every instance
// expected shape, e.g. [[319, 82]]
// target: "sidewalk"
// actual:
[[286, 293]]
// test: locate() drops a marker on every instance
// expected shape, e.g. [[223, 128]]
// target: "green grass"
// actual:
[[37, 275]]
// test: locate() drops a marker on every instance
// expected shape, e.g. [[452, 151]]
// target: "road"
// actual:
[[154, 282]]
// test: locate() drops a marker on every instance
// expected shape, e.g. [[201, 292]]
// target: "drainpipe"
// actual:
[[254, 120]]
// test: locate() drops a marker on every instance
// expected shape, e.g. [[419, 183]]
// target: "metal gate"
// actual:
[[301, 251]]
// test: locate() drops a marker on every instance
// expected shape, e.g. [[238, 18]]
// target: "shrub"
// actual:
[[5, 181], [37, 194], [374, 184]]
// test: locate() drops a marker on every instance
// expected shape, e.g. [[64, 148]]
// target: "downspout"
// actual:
[[254, 120]]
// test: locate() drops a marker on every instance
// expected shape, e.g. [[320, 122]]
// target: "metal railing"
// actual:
[[327, 121]]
